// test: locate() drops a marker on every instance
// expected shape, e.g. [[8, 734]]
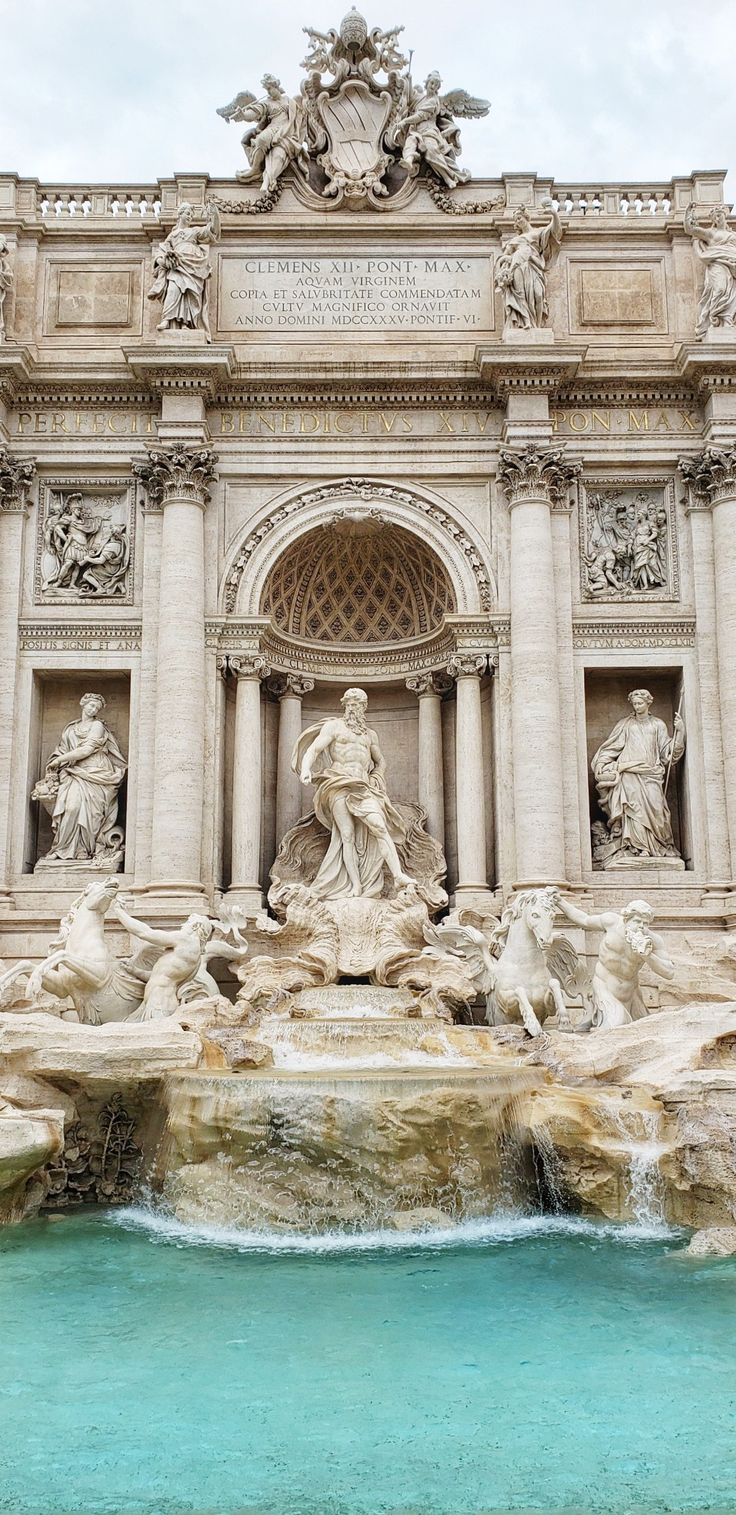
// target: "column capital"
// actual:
[[16, 477], [466, 665], [176, 473], [297, 684], [248, 665], [711, 475], [535, 473], [433, 682]]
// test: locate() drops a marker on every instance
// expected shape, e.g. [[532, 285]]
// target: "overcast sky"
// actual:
[[126, 90]]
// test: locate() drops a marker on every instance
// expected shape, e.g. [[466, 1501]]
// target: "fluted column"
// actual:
[[15, 480], [178, 478], [535, 480], [247, 806], [430, 778], [712, 479], [466, 668], [290, 689]]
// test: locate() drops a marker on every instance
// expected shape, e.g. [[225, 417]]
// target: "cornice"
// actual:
[[508, 366], [199, 368]]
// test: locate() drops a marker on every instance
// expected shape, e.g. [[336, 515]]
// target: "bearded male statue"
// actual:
[[352, 803]]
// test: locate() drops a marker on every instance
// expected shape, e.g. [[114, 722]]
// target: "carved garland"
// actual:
[[368, 490]]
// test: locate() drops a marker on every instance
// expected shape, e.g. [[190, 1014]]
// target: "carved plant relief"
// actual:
[[628, 545], [85, 543]]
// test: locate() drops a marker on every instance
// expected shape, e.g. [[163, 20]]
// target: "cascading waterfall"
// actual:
[[646, 1189]]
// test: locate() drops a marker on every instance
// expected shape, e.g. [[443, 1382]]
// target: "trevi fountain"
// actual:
[[367, 823]]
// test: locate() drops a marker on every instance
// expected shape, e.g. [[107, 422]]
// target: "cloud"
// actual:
[[127, 92]]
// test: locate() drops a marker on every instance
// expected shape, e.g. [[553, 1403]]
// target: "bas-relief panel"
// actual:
[[85, 544], [106, 298], [628, 541]]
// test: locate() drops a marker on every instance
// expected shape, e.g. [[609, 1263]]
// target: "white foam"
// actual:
[[495, 1229]]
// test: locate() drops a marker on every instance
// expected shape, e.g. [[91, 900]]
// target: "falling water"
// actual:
[[645, 1186]]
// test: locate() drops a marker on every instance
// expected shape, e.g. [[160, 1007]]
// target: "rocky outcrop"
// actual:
[[321, 1122], [57, 1081], [663, 1090]]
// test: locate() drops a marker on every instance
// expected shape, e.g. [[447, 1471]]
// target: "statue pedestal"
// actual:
[[532, 336]]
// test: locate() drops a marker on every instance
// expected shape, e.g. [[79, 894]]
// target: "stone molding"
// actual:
[[369, 491], [711, 475], [77, 636], [16, 477], [609, 635], [533, 473], [177, 473]]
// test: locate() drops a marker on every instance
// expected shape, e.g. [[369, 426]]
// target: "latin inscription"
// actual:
[[358, 294], [390, 422]]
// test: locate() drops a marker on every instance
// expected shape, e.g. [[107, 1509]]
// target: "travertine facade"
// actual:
[[470, 447]]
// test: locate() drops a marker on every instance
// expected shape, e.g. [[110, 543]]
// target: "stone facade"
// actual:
[[370, 474]]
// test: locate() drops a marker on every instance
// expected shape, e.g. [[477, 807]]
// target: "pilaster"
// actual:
[[16, 478]]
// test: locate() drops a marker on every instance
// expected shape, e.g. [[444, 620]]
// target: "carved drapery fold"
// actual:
[[181, 473], [534, 473], [16, 477]]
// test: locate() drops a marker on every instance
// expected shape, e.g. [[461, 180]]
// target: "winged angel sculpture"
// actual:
[[359, 128]]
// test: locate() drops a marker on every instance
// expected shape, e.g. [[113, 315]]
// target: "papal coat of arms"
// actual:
[[359, 129]]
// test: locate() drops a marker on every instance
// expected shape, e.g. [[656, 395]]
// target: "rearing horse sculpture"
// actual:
[[524, 987]]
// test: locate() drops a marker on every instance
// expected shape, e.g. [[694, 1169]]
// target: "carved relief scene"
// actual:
[[628, 543], [85, 544]]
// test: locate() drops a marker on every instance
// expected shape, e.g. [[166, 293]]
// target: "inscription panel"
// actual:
[[355, 294]]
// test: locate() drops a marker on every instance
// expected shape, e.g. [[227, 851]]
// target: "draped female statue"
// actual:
[[522, 265], [715, 245], [631, 768], [182, 271], [80, 788]]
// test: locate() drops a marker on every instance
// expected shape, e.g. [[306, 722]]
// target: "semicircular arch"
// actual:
[[460, 550]]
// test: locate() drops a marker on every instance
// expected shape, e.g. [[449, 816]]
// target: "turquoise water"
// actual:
[[524, 1365]]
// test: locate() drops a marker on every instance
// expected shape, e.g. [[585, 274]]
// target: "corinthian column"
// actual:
[[245, 865], [178, 478], [712, 479], [15, 481], [430, 778], [534, 481], [466, 668], [289, 689]]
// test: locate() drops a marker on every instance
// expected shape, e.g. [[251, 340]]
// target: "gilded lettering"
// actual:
[[39, 424], [687, 420], [639, 424], [662, 422], [602, 418], [227, 423], [24, 420], [579, 421], [446, 423], [57, 421]]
